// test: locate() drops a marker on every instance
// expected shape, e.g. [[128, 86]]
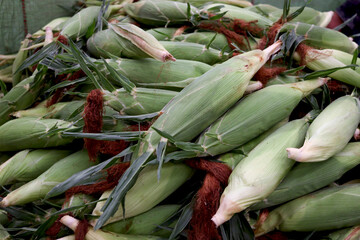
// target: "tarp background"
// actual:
[[38, 14]]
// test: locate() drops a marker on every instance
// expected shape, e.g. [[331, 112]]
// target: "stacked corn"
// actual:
[[177, 81]]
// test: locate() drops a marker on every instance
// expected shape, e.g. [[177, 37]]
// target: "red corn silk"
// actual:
[[56, 227], [276, 235], [269, 38], [63, 40], [93, 113], [113, 175], [265, 74], [81, 230], [207, 199]]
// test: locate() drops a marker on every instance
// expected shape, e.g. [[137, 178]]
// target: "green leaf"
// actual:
[[211, 41], [165, 135], [87, 176], [313, 102], [3, 87], [137, 117], [342, 25], [90, 31], [111, 136], [180, 155], [183, 221], [160, 153], [123, 80], [237, 228], [286, 9], [189, 146], [117, 196], [66, 84], [297, 12], [355, 56], [293, 70], [324, 73], [218, 16], [49, 50]]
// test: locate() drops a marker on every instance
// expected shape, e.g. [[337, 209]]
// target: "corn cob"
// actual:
[[195, 52], [219, 42], [162, 34], [352, 233], [331, 208], [249, 119], [140, 101], [243, 14], [57, 173], [145, 223], [24, 133], [72, 223], [148, 191], [321, 37], [256, 176], [330, 131], [28, 165], [156, 74], [228, 80], [323, 59], [159, 13], [307, 177], [20, 97]]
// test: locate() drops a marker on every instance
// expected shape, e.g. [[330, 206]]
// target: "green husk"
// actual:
[[157, 74], [195, 52], [4, 235], [80, 199], [42, 111], [238, 3], [6, 74], [328, 209], [57, 173], [145, 223], [148, 190], [162, 34], [216, 40], [140, 101], [72, 223], [24, 133], [257, 175], [55, 24], [20, 58], [345, 58], [307, 177], [28, 165], [159, 12], [321, 37], [255, 114], [282, 79], [20, 97], [78, 25], [352, 233], [330, 132]]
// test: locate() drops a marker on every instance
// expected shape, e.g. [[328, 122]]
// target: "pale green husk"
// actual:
[[352, 233]]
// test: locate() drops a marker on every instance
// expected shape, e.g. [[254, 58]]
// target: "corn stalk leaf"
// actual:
[[111, 136], [117, 196], [87, 176], [180, 155], [237, 228], [3, 87], [123, 80], [286, 9], [66, 84], [137, 117], [355, 56], [342, 25], [160, 153], [297, 12], [326, 72], [48, 50], [183, 221], [293, 70]]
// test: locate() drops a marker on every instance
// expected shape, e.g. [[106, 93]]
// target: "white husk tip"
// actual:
[[295, 153], [4, 203], [218, 219], [168, 57], [70, 222], [357, 134], [253, 87], [275, 47]]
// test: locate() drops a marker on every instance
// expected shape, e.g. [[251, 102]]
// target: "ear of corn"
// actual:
[[28, 165], [145, 223], [331, 208], [329, 133], [140, 101], [143, 40], [321, 37], [156, 74], [24, 133], [43, 111], [345, 58], [57, 173], [148, 187], [72, 223], [20, 97], [257, 175], [243, 14], [195, 52], [78, 25], [324, 59], [352, 233], [255, 114], [307, 177], [159, 12], [20, 58]]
